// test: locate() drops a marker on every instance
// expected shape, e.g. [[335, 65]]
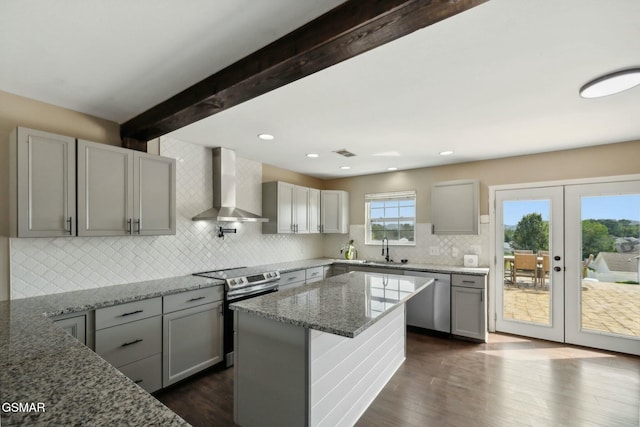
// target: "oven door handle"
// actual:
[[242, 292]]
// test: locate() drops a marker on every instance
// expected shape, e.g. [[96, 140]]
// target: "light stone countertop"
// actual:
[[344, 305], [39, 362], [285, 267]]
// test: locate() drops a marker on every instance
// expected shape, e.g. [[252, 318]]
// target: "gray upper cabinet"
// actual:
[[154, 194], [287, 207], [314, 210], [455, 207], [334, 207], [123, 192], [42, 184], [105, 190]]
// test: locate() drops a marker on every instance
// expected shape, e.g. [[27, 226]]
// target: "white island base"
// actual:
[[288, 375]]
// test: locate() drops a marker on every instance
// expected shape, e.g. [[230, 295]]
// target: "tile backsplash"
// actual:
[[42, 266], [451, 249]]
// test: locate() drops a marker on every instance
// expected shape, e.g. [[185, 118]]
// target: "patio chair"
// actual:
[[525, 265], [543, 269]]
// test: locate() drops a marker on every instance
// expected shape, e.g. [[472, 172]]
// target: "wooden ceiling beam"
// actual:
[[350, 29]]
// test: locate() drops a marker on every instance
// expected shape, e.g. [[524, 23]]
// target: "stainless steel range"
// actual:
[[241, 283]]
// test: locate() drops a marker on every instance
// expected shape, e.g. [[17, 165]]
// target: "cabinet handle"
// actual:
[[468, 281], [139, 224], [196, 299], [130, 225], [133, 312], [291, 278], [70, 222], [137, 381], [132, 342]]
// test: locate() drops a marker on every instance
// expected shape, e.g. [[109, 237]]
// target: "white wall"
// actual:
[[52, 265]]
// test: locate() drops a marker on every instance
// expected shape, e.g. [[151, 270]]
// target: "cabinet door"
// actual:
[[455, 207], [74, 326], [105, 190], [192, 341], [314, 210], [301, 209], [334, 207], [285, 208], [468, 308], [46, 177], [154, 195]]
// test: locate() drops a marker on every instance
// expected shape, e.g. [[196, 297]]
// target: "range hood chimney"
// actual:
[[224, 191]]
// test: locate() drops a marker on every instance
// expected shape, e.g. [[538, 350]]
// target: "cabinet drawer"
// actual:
[[292, 277], [467, 281], [147, 373], [129, 312], [133, 341], [314, 274], [192, 298]]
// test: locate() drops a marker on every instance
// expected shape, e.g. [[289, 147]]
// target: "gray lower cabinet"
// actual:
[[129, 336], [469, 306], [375, 269], [192, 337], [76, 326], [292, 279]]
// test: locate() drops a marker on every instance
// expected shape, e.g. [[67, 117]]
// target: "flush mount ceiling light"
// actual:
[[266, 136], [345, 167], [312, 155], [446, 153], [392, 169], [611, 83]]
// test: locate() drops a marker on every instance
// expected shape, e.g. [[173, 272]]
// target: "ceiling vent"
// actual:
[[344, 153]]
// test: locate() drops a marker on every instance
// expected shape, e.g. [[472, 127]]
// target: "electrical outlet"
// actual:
[[434, 250]]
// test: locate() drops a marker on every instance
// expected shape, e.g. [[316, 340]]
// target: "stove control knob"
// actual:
[[240, 280], [232, 282]]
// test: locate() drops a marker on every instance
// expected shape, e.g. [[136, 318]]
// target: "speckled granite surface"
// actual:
[[298, 265], [343, 305], [39, 362]]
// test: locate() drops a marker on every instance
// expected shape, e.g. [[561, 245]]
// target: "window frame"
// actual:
[[390, 197]]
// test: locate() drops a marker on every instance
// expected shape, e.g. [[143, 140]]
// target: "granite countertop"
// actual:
[[284, 267], [344, 305], [39, 362]]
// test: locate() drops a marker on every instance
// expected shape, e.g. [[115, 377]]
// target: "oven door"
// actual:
[[228, 319]]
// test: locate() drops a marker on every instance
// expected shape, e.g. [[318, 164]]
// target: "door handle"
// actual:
[[557, 268]]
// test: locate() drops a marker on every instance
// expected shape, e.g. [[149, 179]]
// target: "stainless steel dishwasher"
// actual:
[[431, 308]]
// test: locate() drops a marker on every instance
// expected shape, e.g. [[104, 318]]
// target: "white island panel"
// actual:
[[347, 374]]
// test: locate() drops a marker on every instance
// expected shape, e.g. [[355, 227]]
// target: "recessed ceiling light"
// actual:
[[392, 169], [266, 136], [345, 167], [446, 153], [611, 83], [312, 155]]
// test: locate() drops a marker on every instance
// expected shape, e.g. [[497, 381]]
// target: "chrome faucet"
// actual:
[[387, 256]]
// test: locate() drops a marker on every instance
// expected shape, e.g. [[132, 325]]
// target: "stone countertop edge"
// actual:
[[39, 362], [349, 332]]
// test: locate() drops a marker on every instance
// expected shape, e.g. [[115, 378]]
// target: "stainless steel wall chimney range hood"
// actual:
[[224, 191]]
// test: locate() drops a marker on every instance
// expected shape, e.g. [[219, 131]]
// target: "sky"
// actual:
[[599, 207]]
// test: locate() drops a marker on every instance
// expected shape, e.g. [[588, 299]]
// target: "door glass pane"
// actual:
[[527, 283], [610, 294]]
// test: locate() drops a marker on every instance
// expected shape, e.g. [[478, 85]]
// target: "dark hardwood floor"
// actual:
[[510, 381]]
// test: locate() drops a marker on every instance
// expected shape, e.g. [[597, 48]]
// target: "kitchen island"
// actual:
[[320, 354]]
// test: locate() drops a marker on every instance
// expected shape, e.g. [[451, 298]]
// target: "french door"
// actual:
[[530, 298], [568, 263]]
